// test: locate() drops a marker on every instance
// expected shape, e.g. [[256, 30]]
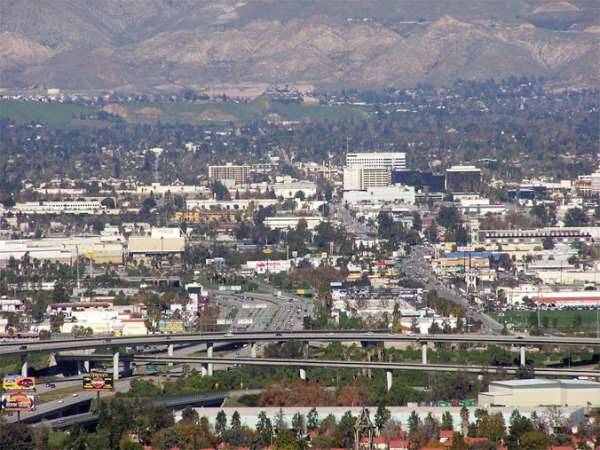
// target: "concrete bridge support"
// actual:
[[303, 374], [388, 379], [523, 357], [424, 353], [116, 366], [253, 349], [170, 353], [209, 354], [24, 365]]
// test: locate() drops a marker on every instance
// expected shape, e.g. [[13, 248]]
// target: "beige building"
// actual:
[[541, 392], [239, 174], [359, 178]]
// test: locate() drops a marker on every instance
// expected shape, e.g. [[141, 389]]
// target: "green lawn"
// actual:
[[55, 115], [58, 115], [567, 321]]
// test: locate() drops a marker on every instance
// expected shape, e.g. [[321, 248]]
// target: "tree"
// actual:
[[16, 436], [264, 429], [298, 423], [548, 243], [236, 422], [448, 216], [382, 417], [221, 423], [447, 421], [312, 419], [533, 440], [413, 422], [464, 416], [219, 191], [575, 217], [458, 442], [417, 222], [492, 427], [346, 427]]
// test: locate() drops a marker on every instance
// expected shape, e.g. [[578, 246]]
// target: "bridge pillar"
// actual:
[[209, 354], [170, 353], [253, 350], [303, 374], [86, 366], [116, 366], [24, 365], [388, 379], [523, 358], [424, 353], [79, 367], [203, 369]]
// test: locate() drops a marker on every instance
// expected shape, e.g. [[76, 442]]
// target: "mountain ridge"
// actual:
[[166, 45]]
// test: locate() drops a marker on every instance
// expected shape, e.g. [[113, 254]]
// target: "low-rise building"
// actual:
[[541, 392], [287, 222]]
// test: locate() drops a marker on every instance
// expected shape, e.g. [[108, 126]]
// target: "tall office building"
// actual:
[[237, 173], [377, 160], [359, 178], [368, 170], [463, 179]]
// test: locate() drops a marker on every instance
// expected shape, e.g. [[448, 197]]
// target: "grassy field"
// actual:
[[55, 115], [58, 115], [567, 321]]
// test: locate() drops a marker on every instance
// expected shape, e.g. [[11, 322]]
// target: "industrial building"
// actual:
[[541, 392], [289, 190], [161, 242]]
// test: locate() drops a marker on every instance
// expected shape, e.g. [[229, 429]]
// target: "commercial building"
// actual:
[[387, 194], [59, 207], [377, 160], [160, 242], [275, 266], [463, 179], [419, 180], [541, 392], [289, 190], [567, 299], [534, 236], [229, 172], [287, 222], [360, 178]]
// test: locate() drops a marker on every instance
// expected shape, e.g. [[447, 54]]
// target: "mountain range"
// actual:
[[166, 45]]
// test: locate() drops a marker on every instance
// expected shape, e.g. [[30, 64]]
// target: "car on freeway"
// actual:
[[50, 385]]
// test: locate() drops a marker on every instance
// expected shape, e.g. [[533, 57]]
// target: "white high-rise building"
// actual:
[[358, 178], [377, 160]]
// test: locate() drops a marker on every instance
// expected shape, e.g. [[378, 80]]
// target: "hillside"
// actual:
[[141, 45]]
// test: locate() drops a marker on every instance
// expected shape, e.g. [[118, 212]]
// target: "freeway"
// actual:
[[12, 349], [304, 363], [415, 266], [51, 409]]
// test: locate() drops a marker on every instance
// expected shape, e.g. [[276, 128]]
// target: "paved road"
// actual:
[[343, 216], [418, 268], [283, 336], [303, 363]]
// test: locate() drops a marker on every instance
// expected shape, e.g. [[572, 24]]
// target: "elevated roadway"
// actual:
[[17, 349]]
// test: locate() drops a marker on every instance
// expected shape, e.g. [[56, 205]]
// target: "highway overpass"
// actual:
[[373, 336], [302, 364], [58, 345]]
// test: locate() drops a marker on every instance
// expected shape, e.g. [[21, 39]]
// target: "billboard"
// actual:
[[170, 326], [18, 383], [20, 401], [98, 382]]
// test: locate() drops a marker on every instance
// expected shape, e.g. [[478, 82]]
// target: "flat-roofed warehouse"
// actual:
[[541, 392], [161, 242]]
